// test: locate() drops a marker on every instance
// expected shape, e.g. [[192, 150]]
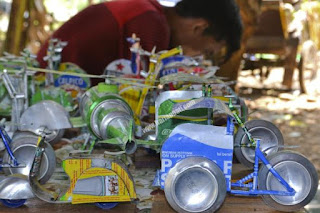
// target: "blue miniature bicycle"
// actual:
[[6, 142]]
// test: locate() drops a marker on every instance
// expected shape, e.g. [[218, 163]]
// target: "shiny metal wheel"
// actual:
[[296, 175], [23, 149], [195, 184], [271, 140], [298, 172]]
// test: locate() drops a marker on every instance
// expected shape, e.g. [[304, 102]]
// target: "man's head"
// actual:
[[205, 26]]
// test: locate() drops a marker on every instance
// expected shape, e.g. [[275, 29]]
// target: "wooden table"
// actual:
[[232, 204]]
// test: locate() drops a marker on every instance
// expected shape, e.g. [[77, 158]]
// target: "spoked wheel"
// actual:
[[298, 172], [270, 137], [308, 65], [23, 149], [195, 184], [12, 203], [106, 206]]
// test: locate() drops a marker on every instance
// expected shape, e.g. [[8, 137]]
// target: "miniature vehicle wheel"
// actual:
[[270, 137], [299, 173], [52, 138], [308, 65], [55, 136], [195, 184], [106, 206], [13, 203], [23, 149]]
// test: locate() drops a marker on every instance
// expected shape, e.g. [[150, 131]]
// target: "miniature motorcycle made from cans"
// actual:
[[16, 163], [93, 179], [23, 100]]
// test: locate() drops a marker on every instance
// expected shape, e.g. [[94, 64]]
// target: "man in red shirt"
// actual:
[[97, 35]]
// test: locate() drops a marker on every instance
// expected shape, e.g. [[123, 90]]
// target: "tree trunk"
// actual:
[[40, 22], [15, 41], [28, 19]]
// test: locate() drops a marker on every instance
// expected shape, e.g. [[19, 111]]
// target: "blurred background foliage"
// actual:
[[313, 10], [32, 21]]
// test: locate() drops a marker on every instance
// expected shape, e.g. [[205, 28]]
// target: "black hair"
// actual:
[[223, 17]]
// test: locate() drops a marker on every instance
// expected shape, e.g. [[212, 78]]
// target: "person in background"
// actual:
[[97, 35]]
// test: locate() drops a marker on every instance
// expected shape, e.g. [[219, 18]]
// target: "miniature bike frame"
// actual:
[[6, 141], [239, 121], [259, 156], [271, 137], [254, 176]]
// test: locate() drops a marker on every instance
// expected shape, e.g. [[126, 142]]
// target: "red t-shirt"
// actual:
[[97, 35]]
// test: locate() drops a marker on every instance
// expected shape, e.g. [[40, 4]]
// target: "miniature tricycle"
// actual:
[[196, 165]]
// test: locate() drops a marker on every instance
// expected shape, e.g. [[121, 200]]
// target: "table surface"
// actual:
[[239, 204]]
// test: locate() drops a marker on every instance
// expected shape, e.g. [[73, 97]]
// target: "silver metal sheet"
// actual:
[[14, 187], [47, 114], [90, 186]]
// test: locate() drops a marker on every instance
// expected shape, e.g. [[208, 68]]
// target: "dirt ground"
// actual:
[[297, 115]]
